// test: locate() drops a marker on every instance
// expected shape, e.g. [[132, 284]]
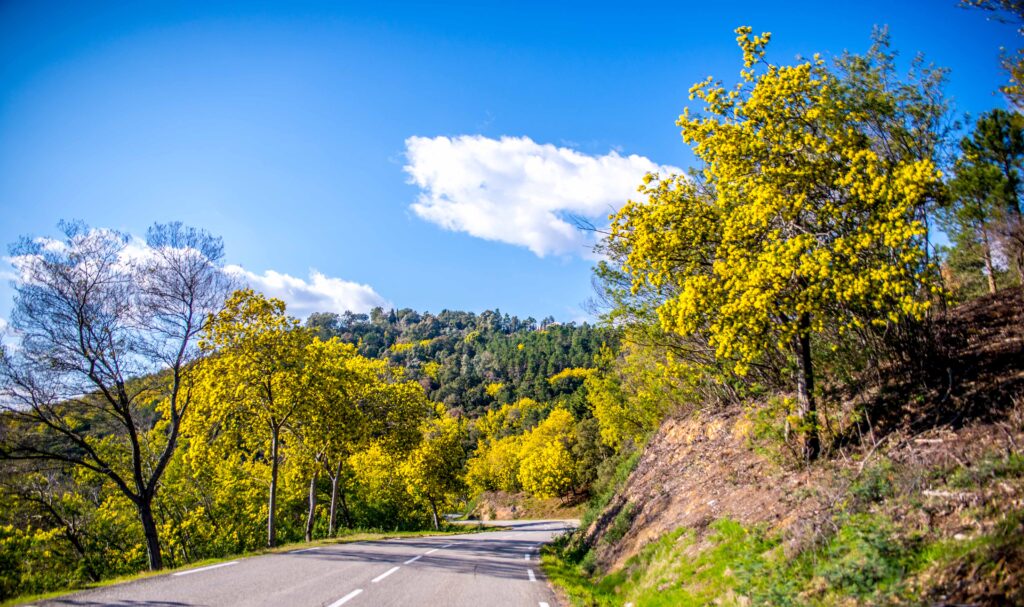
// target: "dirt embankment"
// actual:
[[503, 506], [929, 420]]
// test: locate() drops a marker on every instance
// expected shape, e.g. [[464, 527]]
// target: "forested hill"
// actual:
[[471, 362]]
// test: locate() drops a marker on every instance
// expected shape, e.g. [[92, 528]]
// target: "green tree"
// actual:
[[997, 145], [971, 221]]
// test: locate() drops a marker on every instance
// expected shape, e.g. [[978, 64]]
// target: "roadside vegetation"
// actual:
[[822, 408], [794, 396], [156, 414]]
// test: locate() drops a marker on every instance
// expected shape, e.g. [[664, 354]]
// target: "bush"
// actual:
[[623, 521], [865, 556]]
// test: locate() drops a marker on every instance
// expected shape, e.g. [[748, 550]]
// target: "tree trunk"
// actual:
[[272, 502], [344, 509], [805, 389], [986, 252], [433, 510], [145, 509], [312, 508], [334, 503]]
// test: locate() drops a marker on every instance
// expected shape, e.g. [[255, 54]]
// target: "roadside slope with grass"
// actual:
[[919, 498]]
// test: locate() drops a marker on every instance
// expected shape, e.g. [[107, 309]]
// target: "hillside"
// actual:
[[923, 504], [470, 362]]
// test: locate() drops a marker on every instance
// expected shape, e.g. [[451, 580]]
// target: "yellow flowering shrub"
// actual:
[[570, 373], [794, 224]]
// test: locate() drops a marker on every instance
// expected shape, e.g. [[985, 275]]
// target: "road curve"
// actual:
[[495, 568]]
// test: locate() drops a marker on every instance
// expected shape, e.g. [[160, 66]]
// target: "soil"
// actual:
[[930, 416], [503, 506]]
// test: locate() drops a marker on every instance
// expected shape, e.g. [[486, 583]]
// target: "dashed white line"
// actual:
[[305, 550], [526, 556], [384, 575], [544, 605], [348, 597], [431, 551], [217, 566], [533, 578], [413, 560]]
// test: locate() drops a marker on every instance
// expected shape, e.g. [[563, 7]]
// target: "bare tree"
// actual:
[[107, 334]]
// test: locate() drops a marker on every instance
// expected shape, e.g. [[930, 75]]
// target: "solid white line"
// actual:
[[533, 578], [384, 575], [431, 551], [217, 566], [348, 597], [304, 550], [413, 559]]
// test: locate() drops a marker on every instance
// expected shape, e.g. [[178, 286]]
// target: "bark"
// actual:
[[145, 508], [433, 510], [334, 501], [344, 509], [805, 389], [986, 252], [272, 502], [312, 508], [71, 533]]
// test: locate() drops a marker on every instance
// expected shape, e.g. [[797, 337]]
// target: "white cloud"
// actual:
[[320, 293], [7, 336], [520, 192]]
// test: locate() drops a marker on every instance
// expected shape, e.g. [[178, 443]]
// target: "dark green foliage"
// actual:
[[864, 556], [623, 521], [875, 484], [612, 474], [588, 451], [983, 217], [474, 351]]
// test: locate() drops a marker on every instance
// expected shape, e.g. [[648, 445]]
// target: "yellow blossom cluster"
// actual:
[[795, 220]]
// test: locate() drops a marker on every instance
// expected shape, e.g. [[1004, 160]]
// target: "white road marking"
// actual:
[[526, 556], [384, 575], [544, 605], [447, 546], [217, 566], [348, 597], [413, 559], [304, 550], [533, 578], [431, 551]]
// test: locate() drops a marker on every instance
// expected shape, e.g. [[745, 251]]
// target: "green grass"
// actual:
[[987, 470], [866, 560], [611, 478], [347, 537]]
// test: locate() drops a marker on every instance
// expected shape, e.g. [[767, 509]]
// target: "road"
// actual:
[[494, 568]]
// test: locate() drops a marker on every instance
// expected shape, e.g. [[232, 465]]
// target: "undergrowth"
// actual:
[[867, 558]]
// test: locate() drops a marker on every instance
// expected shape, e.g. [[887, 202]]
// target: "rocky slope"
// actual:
[[941, 460]]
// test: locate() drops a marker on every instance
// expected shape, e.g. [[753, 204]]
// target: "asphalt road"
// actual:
[[494, 569]]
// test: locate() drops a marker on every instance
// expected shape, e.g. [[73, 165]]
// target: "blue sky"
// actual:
[[417, 155]]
